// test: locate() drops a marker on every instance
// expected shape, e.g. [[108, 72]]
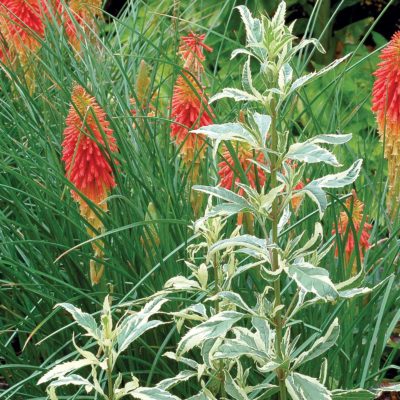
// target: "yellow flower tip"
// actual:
[[142, 83]]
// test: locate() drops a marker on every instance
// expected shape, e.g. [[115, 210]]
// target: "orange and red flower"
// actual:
[[191, 52], [22, 25], [84, 13], [87, 148], [356, 208], [190, 109], [230, 175], [386, 106]]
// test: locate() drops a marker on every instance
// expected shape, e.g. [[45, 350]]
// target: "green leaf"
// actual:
[[233, 298], [278, 20], [228, 131], [247, 80], [241, 51], [305, 42], [254, 243], [181, 283], [236, 94], [312, 279], [267, 199], [263, 123], [217, 326], [355, 394], [311, 153], [167, 384], [340, 179], [330, 138], [233, 389], [234, 348], [351, 293], [208, 348], [311, 245], [302, 387], [63, 369], [134, 326], [351, 283], [223, 194], [254, 32], [317, 195], [298, 83], [321, 345], [285, 76], [224, 209], [203, 395], [73, 379], [267, 390], [246, 343], [146, 393], [187, 361], [84, 320], [263, 332]]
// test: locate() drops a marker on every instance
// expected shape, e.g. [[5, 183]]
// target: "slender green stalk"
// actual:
[[109, 378], [275, 262], [110, 385], [221, 366]]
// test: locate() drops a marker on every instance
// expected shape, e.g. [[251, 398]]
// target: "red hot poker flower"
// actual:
[[84, 14], [87, 139], [190, 109], [356, 207], [191, 51], [245, 155], [386, 106], [21, 22], [87, 163]]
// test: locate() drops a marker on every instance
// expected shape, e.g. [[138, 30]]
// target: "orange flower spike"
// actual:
[[356, 207], [86, 163], [87, 8], [190, 109], [386, 106], [21, 23], [84, 13], [253, 172], [87, 139], [191, 51]]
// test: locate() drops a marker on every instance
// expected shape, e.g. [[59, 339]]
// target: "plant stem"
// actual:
[[109, 376], [221, 376], [275, 262]]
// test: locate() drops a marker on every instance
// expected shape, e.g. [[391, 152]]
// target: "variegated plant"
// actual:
[[102, 382], [238, 340]]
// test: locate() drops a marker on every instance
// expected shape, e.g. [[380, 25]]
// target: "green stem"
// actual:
[[275, 261], [109, 376], [217, 289]]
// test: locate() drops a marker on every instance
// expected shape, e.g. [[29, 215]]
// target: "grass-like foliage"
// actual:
[[229, 236]]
